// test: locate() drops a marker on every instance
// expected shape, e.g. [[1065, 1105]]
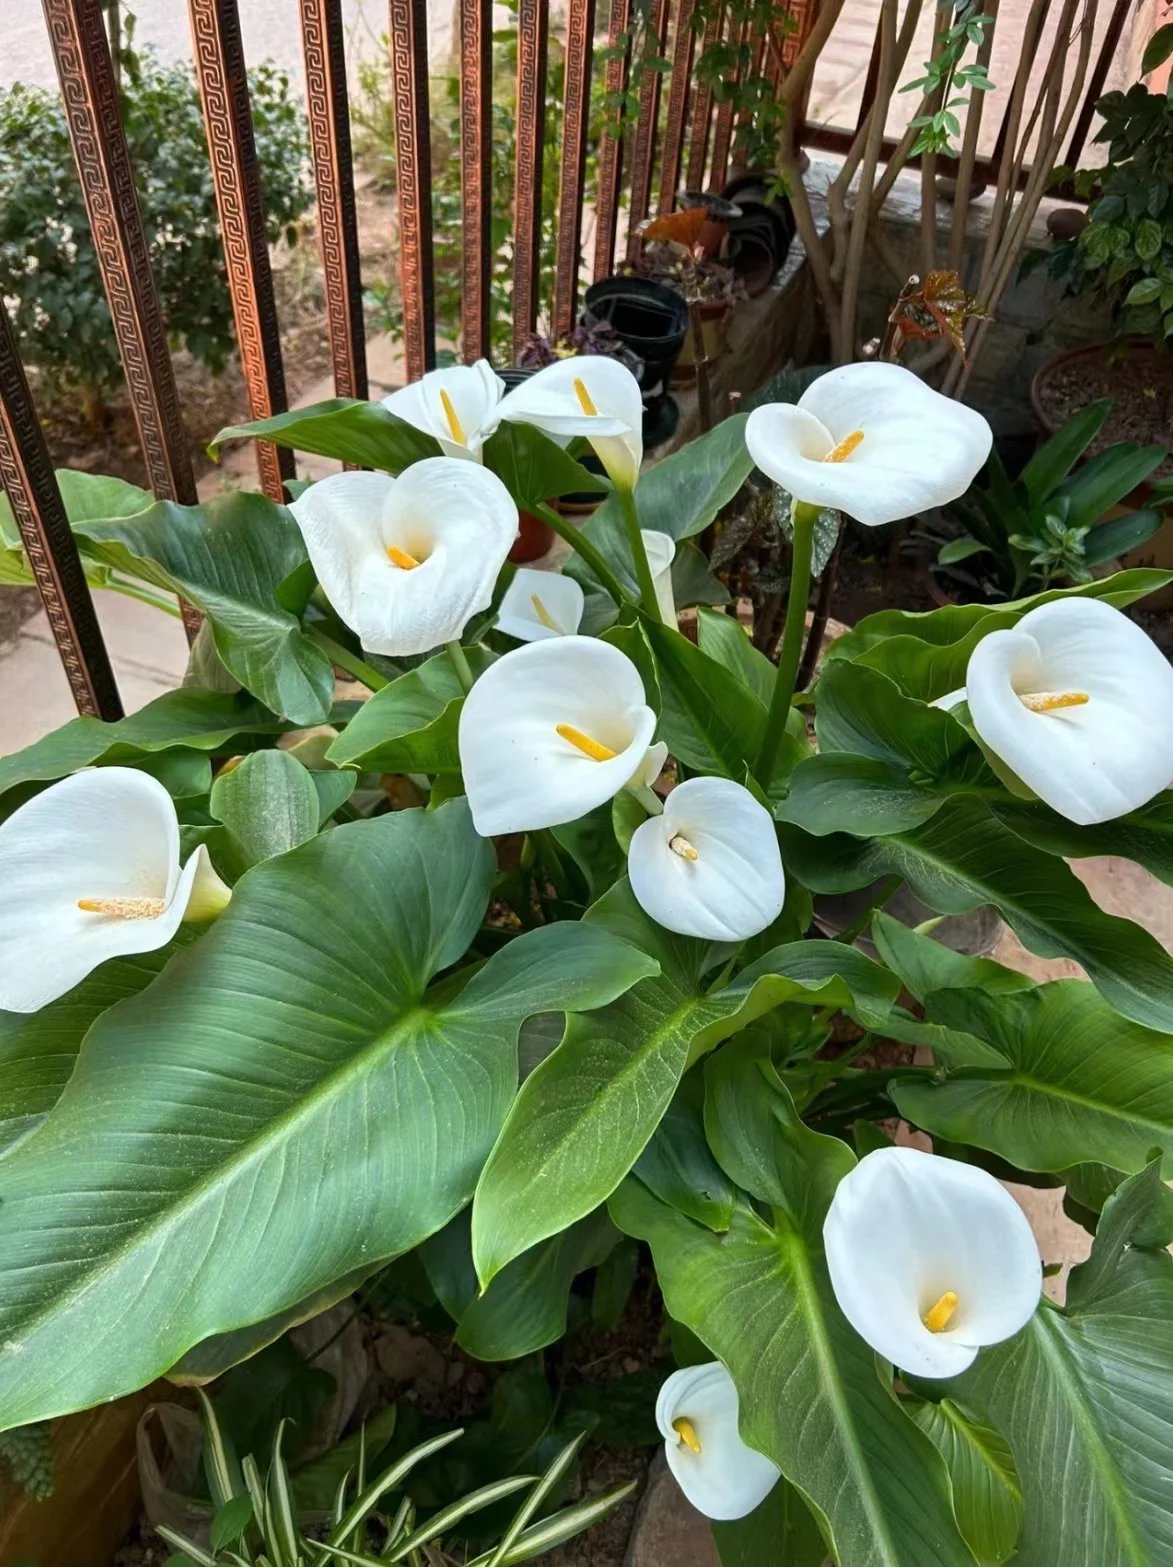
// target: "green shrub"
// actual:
[[49, 275]]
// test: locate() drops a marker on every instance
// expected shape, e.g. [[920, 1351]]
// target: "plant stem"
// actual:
[[862, 920], [639, 555], [120, 585], [589, 552], [803, 519], [649, 799], [460, 663], [354, 666]]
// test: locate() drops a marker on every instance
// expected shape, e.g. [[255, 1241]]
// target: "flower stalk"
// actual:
[[357, 668], [803, 518], [582, 546], [639, 554]]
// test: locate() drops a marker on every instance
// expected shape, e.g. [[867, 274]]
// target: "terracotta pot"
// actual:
[[533, 540]]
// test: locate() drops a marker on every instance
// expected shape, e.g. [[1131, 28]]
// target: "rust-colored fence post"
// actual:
[[26, 475], [476, 130], [610, 178], [580, 27], [702, 109], [329, 120], [683, 48], [644, 150], [219, 59], [532, 24], [408, 31]]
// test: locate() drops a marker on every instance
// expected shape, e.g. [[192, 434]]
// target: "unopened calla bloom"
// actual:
[[588, 395], [709, 866], [1078, 703], [456, 405], [930, 1259], [90, 871], [407, 562], [660, 549], [697, 1415], [871, 440], [550, 731], [540, 604]]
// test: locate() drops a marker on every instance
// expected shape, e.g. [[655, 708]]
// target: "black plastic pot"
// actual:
[[651, 319], [763, 233]]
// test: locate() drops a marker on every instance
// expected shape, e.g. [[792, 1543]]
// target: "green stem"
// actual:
[[803, 518], [861, 922], [649, 799], [565, 529], [460, 663], [353, 665], [635, 543], [120, 585]]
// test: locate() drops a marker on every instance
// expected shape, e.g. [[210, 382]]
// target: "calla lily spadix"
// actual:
[[407, 562], [1078, 703], [709, 866], [660, 549], [550, 731], [587, 395], [720, 1475], [456, 405], [540, 604], [930, 1259], [90, 871], [871, 440]]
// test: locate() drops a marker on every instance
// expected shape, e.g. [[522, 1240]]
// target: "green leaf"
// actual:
[[781, 1529], [725, 639], [812, 1398], [963, 858], [683, 493], [834, 792], [1081, 1083], [85, 496], [1120, 534], [268, 803], [291, 1069], [230, 1522], [410, 726], [1106, 479], [585, 1115], [1158, 49], [925, 965], [960, 549], [711, 721], [1147, 239], [692, 581], [1084, 1396], [535, 469], [351, 431], [986, 1495], [1144, 292], [232, 559], [1144, 836], [1058, 455], [678, 1165]]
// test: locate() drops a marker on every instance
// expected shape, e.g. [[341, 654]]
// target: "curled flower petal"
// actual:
[[457, 405], [709, 866], [540, 604], [407, 562], [589, 395], [660, 549], [930, 1259], [107, 838], [549, 732], [721, 1475], [871, 440]]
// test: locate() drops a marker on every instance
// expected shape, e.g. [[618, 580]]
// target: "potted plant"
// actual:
[[714, 288]]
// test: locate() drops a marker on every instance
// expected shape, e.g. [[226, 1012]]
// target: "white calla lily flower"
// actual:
[[407, 562], [710, 866], [90, 870], [871, 440], [540, 604], [456, 405], [1078, 703], [721, 1475], [660, 549], [930, 1259], [550, 731], [589, 395]]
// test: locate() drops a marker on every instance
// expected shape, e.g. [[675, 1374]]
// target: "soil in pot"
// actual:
[[1137, 378]]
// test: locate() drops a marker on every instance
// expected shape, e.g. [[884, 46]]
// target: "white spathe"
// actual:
[[720, 1475], [910, 1236], [110, 836], [407, 562], [1078, 702], [457, 405], [660, 549], [589, 395], [871, 440], [709, 866], [550, 731], [540, 604]]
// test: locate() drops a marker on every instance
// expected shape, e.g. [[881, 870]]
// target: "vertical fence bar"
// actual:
[[1099, 76], [702, 111], [219, 60], [683, 46], [532, 37], [408, 27], [476, 130], [329, 121], [26, 476], [611, 143], [580, 28], [644, 153], [723, 130]]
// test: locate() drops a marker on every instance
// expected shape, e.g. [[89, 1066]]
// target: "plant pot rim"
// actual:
[[1130, 348]]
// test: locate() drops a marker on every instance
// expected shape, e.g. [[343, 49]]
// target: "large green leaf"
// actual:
[[1084, 1396], [724, 638], [410, 726], [987, 1497], [1081, 1082], [85, 496], [963, 858], [286, 1103], [534, 469], [233, 558], [678, 1164], [812, 1397], [268, 804], [351, 431], [780, 1529], [711, 720], [585, 1115], [1144, 836]]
